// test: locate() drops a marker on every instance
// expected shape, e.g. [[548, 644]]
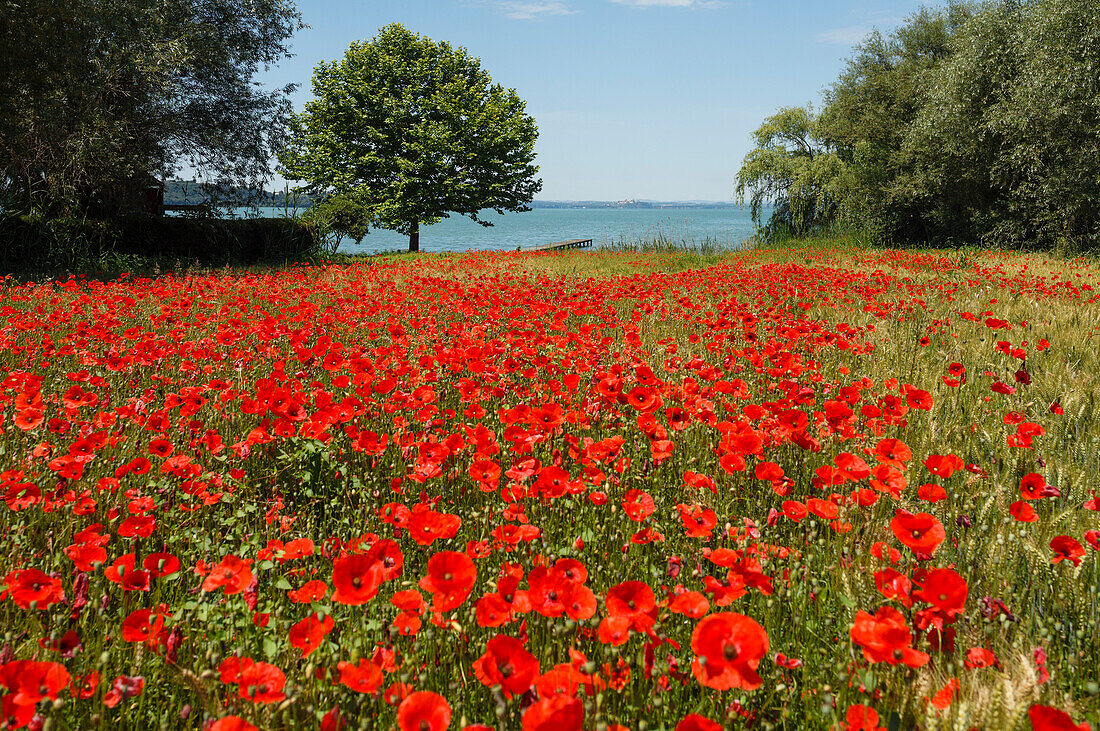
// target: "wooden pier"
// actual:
[[559, 245]]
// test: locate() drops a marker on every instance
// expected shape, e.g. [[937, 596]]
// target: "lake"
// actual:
[[723, 227]]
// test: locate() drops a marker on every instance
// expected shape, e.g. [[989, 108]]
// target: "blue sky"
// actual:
[[633, 98]]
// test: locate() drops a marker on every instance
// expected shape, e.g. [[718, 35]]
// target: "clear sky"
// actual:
[[639, 99]]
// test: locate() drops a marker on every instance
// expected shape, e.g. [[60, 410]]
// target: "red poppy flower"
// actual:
[[894, 585], [424, 711], [727, 591], [387, 554], [699, 481], [695, 722], [31, 586], [979, 657], [795, 510], [29, 682], [1048, 718], [945, 590], [427, 526], [922, 532], [311, 591], [450, 579], [893, 451], [885, 552], [1033, 487], [28, 419], [160, 564], [728, 649], [1066, 548], [768, 471], [943, 698], [363, 677], [409, 600], [861, 718], [308, 634], [298, 548], [644, 399], [823, 509], [638, 505], [614, 631], [486, 473], [918, 399], [635, 601], [232, 573], [888, 478], [943, 465], [931, 492], [355, 579], [556, 713], [1022, 511], [691, 604], [84, 686], [258, 682], [137, 526], [160, 448], [123, 686], [144, 625], [396, 692], [507, 663], [122, 572], [231, 723], [852, 467], [885, 637]]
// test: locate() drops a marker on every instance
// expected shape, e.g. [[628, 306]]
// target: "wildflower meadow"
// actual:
[[775, 489]]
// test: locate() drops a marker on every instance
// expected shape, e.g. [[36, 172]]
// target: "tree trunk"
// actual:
[[414, 238]]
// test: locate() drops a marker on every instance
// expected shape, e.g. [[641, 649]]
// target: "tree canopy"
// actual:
[[103, 98], [403, 131], [970, 123]]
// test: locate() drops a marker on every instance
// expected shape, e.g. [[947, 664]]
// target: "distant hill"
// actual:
[[192, 191], [632, 204]]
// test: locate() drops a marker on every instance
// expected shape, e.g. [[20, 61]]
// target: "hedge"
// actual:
[[27, 242]]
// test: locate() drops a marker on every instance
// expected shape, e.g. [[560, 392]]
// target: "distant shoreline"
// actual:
[[189, 191], [587, 205], [647, 205]]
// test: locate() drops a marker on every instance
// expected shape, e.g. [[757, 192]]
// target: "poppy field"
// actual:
[[797, 488]]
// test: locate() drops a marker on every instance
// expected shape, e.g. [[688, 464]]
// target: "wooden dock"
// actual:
[[200, 208], [559, 245]]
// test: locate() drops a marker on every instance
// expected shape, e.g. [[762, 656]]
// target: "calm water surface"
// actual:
[[724, 227]]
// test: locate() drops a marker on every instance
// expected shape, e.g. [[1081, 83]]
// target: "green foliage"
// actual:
[[340, 214], [793, 169], [102, 98], [868, 111], [404, 131], [969, 123]]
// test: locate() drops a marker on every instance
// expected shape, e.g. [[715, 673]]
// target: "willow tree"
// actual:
[[793, 170], [404, 131]]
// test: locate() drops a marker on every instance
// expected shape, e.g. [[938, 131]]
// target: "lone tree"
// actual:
[[404, 131], [100, 99]]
